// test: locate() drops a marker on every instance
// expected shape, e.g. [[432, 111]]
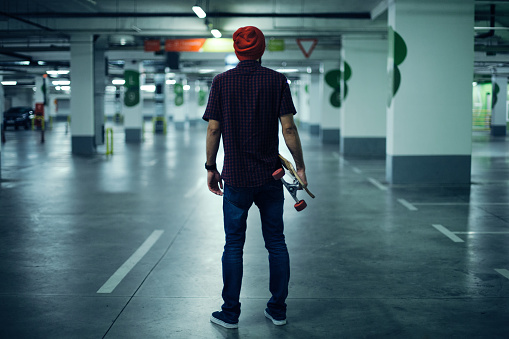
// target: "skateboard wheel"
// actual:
[[278, 174], [300, 205]]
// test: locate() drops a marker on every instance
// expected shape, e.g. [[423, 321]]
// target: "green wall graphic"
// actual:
[[179, 94], [494, 98], [132, 85], [333, 79], [397, 53]]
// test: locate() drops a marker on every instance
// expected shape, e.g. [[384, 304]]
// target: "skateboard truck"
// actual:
[[294, 186]]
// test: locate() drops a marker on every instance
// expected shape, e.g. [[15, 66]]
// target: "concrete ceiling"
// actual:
[[40, 30]]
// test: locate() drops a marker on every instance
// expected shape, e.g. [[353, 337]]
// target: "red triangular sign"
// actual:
[[307, 46]]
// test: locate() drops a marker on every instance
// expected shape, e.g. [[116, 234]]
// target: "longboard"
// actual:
[[292, 187]]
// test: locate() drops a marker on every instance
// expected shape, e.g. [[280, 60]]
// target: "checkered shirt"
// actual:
[[248, 101]]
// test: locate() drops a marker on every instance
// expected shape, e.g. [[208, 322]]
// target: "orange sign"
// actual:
[[152, 45], [183, 45]]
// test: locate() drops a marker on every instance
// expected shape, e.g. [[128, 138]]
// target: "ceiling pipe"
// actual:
[[67, 15]]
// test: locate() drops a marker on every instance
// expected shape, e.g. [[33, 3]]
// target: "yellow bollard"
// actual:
[[109, 141]]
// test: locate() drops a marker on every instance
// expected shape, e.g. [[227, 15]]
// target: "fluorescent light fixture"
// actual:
[[216, 33], [187, 87], [204, 71], [66, 88], [57, 88], [148, 88], [59, 72], [118, 81], [200, 13], [287, 70], [22, 63], [289, 81], [474, 84], [41, 63], [171, 82], [9, 83], [61, 83], [170, 75], [112, 89]]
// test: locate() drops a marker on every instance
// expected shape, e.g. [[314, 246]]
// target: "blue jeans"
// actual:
[[236, 203]]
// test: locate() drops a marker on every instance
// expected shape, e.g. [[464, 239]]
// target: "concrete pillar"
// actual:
[[159, 106], [499, 104], [430, 66], [180, 104], [315, 103], [2, 108], [82, 95], [192, 104], [133, 103], [331, 103], [304, 103], [100, 78], [363, 122]]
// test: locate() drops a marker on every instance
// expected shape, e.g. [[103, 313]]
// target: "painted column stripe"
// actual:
[[123, 270], [448, 233]]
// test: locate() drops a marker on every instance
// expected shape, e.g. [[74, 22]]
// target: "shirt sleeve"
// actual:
[[213, 110], [287, 106]]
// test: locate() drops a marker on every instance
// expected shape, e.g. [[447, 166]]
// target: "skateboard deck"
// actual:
[[292, 187]]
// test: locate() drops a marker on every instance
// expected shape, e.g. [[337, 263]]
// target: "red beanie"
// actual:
[[249, 43]]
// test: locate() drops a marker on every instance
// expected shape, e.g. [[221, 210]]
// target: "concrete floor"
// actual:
[[368, 260]]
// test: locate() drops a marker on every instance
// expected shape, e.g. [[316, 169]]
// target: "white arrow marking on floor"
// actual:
[[126, 267], [448, 233], [407, 205], [377, 184], [503, 272]]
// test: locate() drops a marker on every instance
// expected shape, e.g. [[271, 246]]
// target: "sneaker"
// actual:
[[277, 322], [219, 319]]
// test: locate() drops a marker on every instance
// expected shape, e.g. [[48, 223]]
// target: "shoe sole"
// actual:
[[222, 323], [274, 321]]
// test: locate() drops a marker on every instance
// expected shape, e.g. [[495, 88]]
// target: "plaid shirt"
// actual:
[[248, 101]]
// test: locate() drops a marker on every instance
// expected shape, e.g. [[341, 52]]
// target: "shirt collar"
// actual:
[[249, 63]]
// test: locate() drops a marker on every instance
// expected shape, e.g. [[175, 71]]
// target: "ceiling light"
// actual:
[[58, 72], [199, 11], [171, 82], [216, 33], [186, 87], [61, 83], [9, 83], [118, 81], [287, 70], [148, 88]]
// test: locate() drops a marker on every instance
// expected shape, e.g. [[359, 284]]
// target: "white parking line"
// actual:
[[448, 233], [201, 183], [377, 184], [473, 232], [503, 272], [407, 205], [357, 170], [126, 267]]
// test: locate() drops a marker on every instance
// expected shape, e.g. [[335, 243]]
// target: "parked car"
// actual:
[[18, 116]]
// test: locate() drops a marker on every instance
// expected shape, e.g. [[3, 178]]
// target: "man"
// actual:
[[244, 107]]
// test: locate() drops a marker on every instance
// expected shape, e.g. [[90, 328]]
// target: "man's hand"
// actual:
[[215, 182], [302, 176]]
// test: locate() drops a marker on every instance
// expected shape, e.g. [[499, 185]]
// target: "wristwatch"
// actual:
[[210, 167]]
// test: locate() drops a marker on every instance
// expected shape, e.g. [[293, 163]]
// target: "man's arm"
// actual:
[[292, 140], [214, 180]]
